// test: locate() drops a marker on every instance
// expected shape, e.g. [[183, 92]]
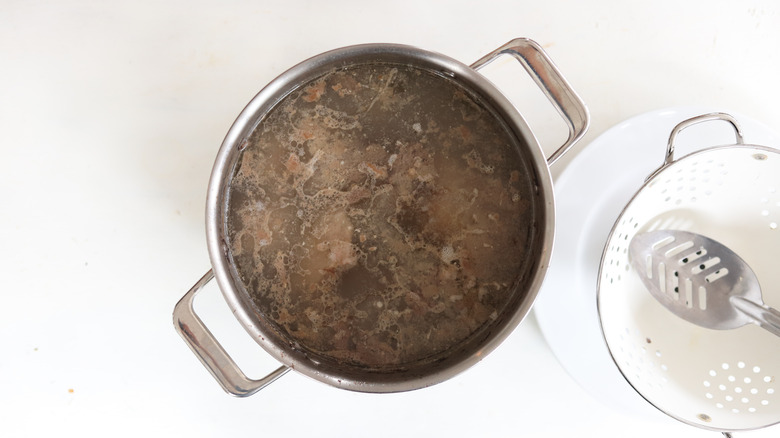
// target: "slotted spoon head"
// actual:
[[695, 277]]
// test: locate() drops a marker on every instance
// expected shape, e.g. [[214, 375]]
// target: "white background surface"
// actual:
[[111, 114]]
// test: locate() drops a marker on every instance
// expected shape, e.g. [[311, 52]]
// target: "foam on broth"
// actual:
[[380, 216]]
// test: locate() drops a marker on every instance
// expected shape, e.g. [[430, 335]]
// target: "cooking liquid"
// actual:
[[379, 216]]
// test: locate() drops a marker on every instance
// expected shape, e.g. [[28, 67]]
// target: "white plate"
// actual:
[[590, 194]]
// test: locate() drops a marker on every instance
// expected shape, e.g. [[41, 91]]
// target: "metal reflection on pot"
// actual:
[[380, 217]]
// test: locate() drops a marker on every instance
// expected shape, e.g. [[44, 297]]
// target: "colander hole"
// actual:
[[744, 400], [658, 353], [764, 402], [760, 157], [773, 226], [713, 373], [764, 212], [767, 379], [738, 390], [754, 391], [747, 380], [664, 367], [719, 405], [751, 409], [709, 395], [729, 398], [722, 387], [770, 391], [732, 379], [725, 366], [704, 417], [707, 383], [740, 364], [756, 369], [735, 410]]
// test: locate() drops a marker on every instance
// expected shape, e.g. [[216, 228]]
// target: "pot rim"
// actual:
[[291, 80]]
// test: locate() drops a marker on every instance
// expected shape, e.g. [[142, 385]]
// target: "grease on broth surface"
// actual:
[[379, 216]]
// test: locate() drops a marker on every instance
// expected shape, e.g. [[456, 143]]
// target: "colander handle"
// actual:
[[210, 352], [541, 68], [669, 159]]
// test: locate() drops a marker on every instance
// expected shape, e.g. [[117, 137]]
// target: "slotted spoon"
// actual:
[[701, 280]]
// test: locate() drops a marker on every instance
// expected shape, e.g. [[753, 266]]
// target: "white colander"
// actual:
[[724, 380]]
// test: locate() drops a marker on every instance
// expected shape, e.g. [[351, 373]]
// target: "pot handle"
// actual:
[[669, 157], [541, 68], [210, 352]]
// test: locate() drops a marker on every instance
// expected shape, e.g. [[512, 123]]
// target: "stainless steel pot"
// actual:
[[347, 376]]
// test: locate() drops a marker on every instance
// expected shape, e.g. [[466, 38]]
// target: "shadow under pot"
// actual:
[[380, 217]]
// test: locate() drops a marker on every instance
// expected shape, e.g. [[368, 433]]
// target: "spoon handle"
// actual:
[[765, 316]]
